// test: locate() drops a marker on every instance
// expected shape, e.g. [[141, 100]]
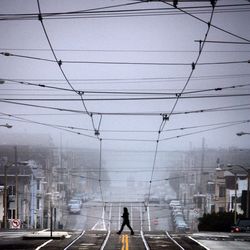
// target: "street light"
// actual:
[[248, 185], [6, 125], [242, 133]]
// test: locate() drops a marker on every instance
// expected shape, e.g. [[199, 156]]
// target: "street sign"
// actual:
[[15, 223]]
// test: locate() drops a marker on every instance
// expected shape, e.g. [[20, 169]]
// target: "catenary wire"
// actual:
[[166, 117], [59, 63], [124, 62]]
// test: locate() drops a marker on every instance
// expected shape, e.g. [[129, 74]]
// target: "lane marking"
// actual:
[[105, 241], [103, 219], [191, 238], [93, 228], [174, 241], [144, 241], [74, 240], [44, 244], [124, 242]]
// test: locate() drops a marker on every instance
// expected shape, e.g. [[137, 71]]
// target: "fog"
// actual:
[[123, 84]]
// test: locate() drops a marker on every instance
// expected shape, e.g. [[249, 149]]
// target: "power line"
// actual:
[[49, 125], [125, 12], [210, 24], [224, 108], [128, 92], [166, 117], [127, 98], [119, 131], [202, 131], [125, 63], [224, 42], [124, 50], [137, 80], [59, 63]]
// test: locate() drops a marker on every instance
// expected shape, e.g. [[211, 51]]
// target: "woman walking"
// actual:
[[126, 222]]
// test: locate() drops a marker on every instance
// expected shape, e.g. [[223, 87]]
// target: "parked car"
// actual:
[[75, 209], [74, 201], [155, 199], [242, 225], [174, 203]]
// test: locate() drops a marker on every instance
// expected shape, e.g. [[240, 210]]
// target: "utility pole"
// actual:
[[202, 166], [235, 198], [17, 196], [5, 197]]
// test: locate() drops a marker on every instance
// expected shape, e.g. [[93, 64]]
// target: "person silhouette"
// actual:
[[126, 222]]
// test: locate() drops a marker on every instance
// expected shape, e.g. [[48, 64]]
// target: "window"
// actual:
[[222, 191], [38, 185], [37, 203], [221, 209]]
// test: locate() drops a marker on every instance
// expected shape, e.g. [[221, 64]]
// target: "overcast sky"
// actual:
[[110, 50]]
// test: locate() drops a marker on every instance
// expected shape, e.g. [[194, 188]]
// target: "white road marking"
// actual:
[[74, 240], [103, 219], [105, 241], [144, 241], [100, 222], [44, 244], [93, 228]]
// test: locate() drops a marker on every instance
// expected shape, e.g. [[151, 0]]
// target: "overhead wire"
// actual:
[[124, 50], [123, 62], [59, 63], [128, 98], [223, 108], [127, 92], [166, 117], [49, 125], [203, 21], [161, 127], [116, 131], [138, 80], [99, 13]]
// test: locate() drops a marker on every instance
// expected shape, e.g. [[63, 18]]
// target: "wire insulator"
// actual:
[[6, 54], [213, 3], [80, 93], [40, 18], [193, 66], [60, 63], [165, 117]]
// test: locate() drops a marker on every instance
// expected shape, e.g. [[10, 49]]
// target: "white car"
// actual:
[[174, 203], [75, 209], [73, 202]]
